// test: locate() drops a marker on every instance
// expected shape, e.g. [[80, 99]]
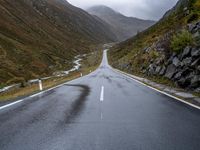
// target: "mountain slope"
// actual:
[[38, 37], [169, 51], [124, 27]]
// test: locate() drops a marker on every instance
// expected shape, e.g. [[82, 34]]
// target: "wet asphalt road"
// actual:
[[102, 111]]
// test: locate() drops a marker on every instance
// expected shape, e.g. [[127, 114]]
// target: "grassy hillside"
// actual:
[[137, 53], [38, 37]]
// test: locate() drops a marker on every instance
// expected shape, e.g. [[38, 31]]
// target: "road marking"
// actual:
[[8, 105], [21, 100], [37, 94], [101, 116], [162, 92], [102, 94]]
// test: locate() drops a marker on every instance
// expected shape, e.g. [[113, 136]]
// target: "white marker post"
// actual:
[[40, 85], [81, 74]]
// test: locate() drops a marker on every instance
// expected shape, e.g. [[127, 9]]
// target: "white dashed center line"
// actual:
[[102, 94]]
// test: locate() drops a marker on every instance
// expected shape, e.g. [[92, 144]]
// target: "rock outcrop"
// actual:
[[182, 68], [168, 49]]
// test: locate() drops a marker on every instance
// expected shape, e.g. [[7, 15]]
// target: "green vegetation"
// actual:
[[1, 85], [93, 59], [181, 40], [132, 50], [196, 94], [159, 41], [196, 5], [34, 88], [34, 45], [153, 54], [195, 11], [161, 80], [90, 63]]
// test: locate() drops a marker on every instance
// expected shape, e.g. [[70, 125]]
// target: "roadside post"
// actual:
[[40, 84], [81, 74]]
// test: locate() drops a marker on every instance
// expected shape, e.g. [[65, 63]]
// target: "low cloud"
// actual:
[[145, 9]]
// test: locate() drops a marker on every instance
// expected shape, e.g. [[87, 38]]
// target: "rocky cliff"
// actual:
[[169, 50], [181, 67]]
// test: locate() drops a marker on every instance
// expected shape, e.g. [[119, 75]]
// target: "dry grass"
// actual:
[[90, 64], [34, 88], [131, 52], [34, 45], [197, 94]]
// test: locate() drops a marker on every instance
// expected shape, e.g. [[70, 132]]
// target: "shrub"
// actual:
[[193, 17], [2, 85], [153, 54], [197, 4], [181, 40]]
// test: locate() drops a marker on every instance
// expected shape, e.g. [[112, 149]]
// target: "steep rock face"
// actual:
[[124, 27], [38, 37], [177, 7], [153, 53], [182, 68]]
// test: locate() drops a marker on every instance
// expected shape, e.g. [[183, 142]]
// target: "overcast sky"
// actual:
[[145, 9]]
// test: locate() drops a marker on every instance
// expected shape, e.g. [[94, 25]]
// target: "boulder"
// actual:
[[158, 69], [176, 61], [186, 62], [195, 81], [198, 25], [195, 30], [194, 27], [191, 27], [196, 35], [159, 61], [183, 73], [151, 69], [162, 71], [195, 52], [186, 72], [186, 52], [170, 72], [195, 63], [184, 82], [178, 76], [198, 91], [198, 68], [169, 61]]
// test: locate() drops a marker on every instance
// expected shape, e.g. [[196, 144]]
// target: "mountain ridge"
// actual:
[[124, 27], [167, 52], [38, 37]]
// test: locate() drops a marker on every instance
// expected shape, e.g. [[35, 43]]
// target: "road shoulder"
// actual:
[[174, 93]]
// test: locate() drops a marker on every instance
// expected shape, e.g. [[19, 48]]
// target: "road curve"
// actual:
[[101, 111]]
